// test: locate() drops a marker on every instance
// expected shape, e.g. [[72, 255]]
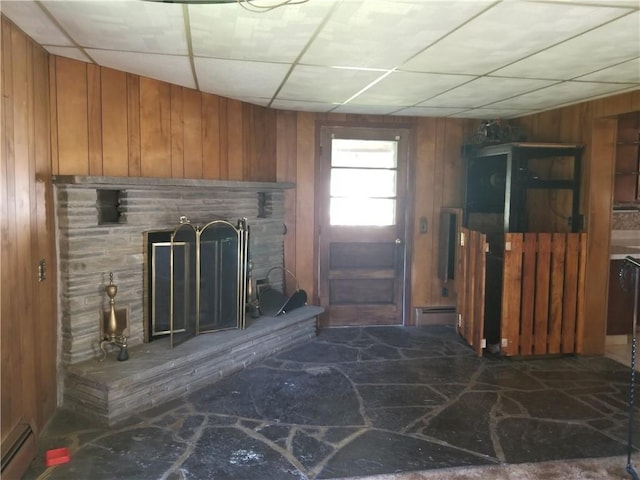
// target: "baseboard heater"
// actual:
[[435, 316], [18, 450]]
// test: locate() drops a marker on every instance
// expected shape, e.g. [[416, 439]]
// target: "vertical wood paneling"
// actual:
[[305, 196], [115, 144], [155, 128], [235, 142], [192, 108], [177, 132], [71, 105], [133, 125], [53, 116], [224, 139], [94, 119], [210, 137], [287, 172], [28, 319]]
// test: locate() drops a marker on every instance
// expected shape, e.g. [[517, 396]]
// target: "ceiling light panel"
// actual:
[[132, 25], [233, 78], [35, 22], [485, 90], [566, 60], [626, 72], [279, 35], [168, 68], [326, 84], [561, 94], [385, 33], [506, 33], [406, 89]]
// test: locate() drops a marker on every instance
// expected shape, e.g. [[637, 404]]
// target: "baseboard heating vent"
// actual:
[[435, 315], [18, 450]]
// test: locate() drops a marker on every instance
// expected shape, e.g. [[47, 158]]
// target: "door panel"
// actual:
[[363, 181]]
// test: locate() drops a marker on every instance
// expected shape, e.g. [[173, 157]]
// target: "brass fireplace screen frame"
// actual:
[[207, 284]]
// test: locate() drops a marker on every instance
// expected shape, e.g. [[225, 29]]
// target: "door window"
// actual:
[[363, 182]]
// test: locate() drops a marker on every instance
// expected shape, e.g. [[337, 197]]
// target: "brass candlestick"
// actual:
[[114, 324]]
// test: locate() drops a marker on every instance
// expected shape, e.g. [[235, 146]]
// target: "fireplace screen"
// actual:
[[196, 279]]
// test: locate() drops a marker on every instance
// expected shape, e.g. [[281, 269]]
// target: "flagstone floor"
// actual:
[[356, 402]]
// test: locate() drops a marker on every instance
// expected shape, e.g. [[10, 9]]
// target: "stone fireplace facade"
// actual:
[[101, 223]]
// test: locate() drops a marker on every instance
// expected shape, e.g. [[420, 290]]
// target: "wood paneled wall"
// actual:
[[29, 319], [592, 124], [111, 123]]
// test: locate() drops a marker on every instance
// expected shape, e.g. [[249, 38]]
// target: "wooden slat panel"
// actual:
[[71, 98], [177, 132], [115, 144], [210, 136], [558, 248], [480, 249], [511, 294], [541, 324], [529, 293], [133, 125], [155, 128], [570, 299], [94, 119], [462, 274], [580, 314], [470, 324], [224, 139]]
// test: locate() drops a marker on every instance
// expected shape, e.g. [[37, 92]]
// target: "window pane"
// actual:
[[362, 211], [351, 182], [364, 153]]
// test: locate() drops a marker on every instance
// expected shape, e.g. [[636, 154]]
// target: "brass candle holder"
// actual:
[[114, 324]]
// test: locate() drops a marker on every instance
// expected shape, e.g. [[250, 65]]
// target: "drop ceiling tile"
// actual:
[[385, 33], [561, 94], [234, 78], [584, 53], [168, 68], [489, 113], [301, 106], [365, 109], [263, 102], [406, 89], [506, 33], [228, 31], [626, 72], [428, 111], [69, 52], [485, 90], [325, 84], [128, 25], [34, 22]]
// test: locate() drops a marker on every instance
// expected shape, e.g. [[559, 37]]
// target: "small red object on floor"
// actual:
[[56, 456]]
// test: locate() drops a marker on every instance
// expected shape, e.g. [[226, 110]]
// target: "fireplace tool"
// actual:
[[627, 281], [114, 324]]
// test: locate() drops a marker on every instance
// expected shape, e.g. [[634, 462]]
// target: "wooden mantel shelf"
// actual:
[[153, 182]]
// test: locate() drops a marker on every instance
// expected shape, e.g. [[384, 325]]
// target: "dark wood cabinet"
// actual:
[[620, 305], [523, 187], [627, 176]]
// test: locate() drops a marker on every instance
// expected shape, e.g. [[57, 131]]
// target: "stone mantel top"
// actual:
[[153, 183]]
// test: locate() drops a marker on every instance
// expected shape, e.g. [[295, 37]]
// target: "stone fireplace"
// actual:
[[102, 223]]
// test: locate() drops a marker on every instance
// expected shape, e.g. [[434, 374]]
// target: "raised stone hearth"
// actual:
[[154, 373]]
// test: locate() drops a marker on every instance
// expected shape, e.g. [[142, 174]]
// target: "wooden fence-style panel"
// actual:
[[470, 299], [542, 298]]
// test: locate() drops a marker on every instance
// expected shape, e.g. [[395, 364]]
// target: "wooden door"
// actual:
[[363, 264]]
